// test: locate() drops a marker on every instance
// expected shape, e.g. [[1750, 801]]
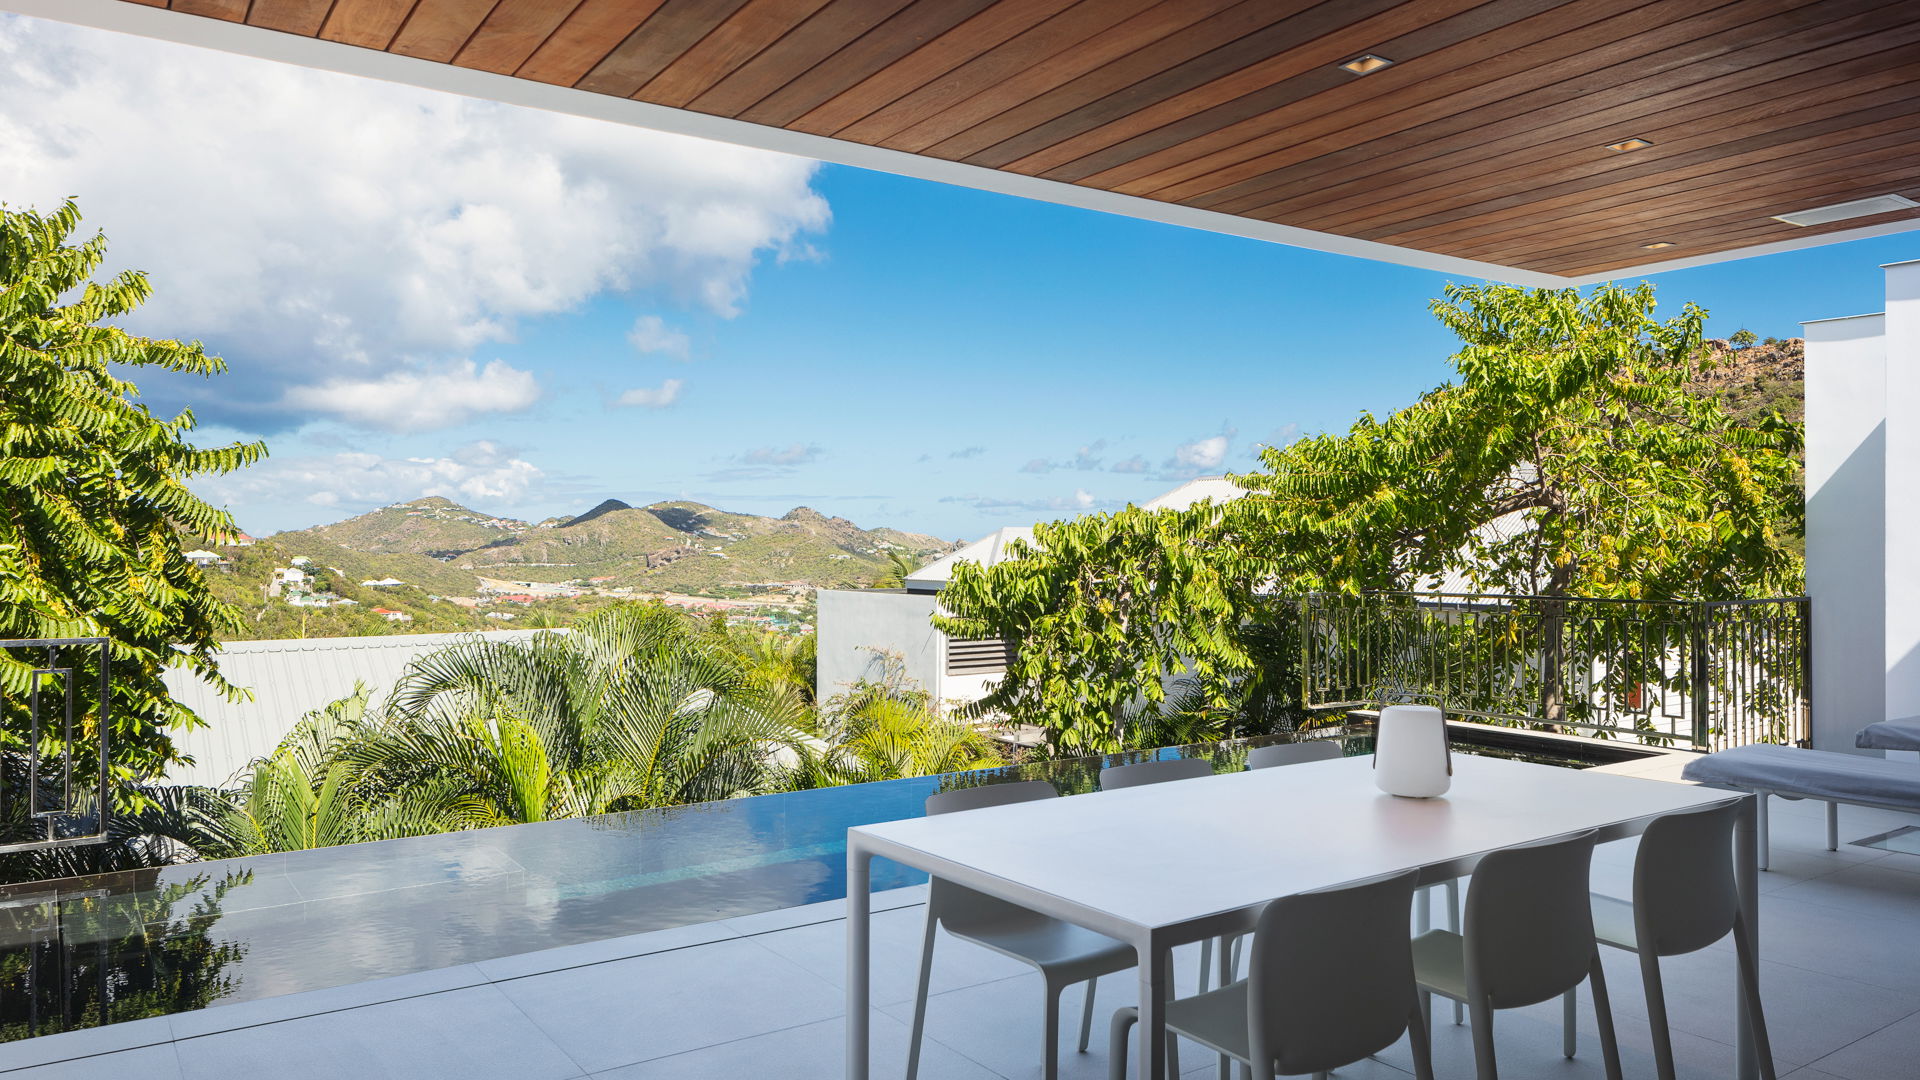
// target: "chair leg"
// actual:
[[1120, 1035], [1657, 1015], [1453, 924], [1086, 1014], [1481, 1012], [920, 998], [1420, 1042], [1206, 964], [1603, 1017], [1750, 986], [1763, 841], [1833, 826], [1569, 1013], [1050, 1040]]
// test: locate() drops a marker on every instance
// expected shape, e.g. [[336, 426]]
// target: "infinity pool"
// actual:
[[85, 951]]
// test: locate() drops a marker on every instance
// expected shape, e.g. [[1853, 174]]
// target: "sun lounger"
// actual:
[[1901, 734], [1810, 774]]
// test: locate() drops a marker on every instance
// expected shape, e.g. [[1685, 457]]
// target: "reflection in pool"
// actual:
[[84, 951]]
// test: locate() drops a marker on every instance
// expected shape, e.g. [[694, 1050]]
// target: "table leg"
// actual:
[[1746, 880], [1152, 1049], [859, 902]]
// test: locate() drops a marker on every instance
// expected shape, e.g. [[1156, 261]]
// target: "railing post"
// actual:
[[1804, 737], [1702, 708]]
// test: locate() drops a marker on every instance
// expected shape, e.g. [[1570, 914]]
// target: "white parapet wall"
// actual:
[[856, 627], [1863, 513]]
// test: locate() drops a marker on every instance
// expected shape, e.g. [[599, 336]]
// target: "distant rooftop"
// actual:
[[289, 678]]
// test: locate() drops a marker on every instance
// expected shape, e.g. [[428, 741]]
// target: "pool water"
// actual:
[[86, 951]]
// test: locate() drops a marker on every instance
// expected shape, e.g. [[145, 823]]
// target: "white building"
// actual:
[[860, 628], [1863, 513]]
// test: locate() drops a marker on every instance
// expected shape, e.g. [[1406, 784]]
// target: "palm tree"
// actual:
[[634, 708], [886, 729]]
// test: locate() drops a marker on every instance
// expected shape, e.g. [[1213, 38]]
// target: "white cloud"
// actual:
[[1037, 465], [651, 334], [301, 221], [1134, 464], [420, 400], [477, 472], [1079, 502], [666, 394], [795, 454], [1201, 453]]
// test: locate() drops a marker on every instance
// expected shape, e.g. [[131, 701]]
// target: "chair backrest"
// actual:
[[1683, 888], [959, 908], [1293, 753], [979, 798], [1153, 772], [1331, 976], [1529, 921]]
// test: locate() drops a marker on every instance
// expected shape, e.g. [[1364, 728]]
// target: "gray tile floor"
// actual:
[[760, 996]]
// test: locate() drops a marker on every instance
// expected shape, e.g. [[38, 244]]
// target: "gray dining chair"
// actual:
[[1063, 953], [1528, 938], [1153, 772], [1293, 753], [1329, 982], [1684, 899], [1299, 753]]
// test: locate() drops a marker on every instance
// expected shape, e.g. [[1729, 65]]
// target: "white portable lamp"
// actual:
[[1411, 757]]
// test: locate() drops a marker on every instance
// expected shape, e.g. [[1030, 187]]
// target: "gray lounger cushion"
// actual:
[[1890, 735], [1813, 774]]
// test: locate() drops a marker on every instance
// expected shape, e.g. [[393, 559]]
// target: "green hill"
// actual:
[[441, 547]]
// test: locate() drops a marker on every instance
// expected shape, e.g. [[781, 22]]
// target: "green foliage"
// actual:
[[886, 729], [1570, 457], [1741, 339], [93, 489]]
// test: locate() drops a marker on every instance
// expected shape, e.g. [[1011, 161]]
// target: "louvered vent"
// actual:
[[978, 656], [1823, 215]]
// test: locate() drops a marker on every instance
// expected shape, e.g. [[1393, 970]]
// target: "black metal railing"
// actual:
[[55, 695], [1705, 674]]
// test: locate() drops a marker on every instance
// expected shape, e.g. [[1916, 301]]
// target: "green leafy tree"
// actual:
[[1570, 457], [1742, 339], [93, 494]]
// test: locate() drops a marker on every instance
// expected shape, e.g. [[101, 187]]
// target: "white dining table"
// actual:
[[1164, 865]]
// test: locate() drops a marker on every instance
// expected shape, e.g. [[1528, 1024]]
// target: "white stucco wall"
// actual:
[[1846, 395], [854, 622], [1902, 533]]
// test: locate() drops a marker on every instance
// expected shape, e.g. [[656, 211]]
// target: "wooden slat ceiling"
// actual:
[[1485, 139]]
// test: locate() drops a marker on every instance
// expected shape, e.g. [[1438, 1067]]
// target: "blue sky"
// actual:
[[556, 312]]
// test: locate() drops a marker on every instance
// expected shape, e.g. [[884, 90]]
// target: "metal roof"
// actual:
[[289, 678]]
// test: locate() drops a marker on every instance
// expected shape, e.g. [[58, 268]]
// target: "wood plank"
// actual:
[[1893, 134], [594, 29], [1773, 232], [438, 29], [1421, 157], [1472, 73], [229, 10], [1306, 82], [1700, 125], [369, 24], [1538, 201], [1039, 46], [987, 30], [290, 16], [149, 3], [830, 53], [1505, 235], [511, 33], [1153, 59], [1507, 199], [1744, 195], [1052, 142], [734, 42], [1164, 18], [678, 25]]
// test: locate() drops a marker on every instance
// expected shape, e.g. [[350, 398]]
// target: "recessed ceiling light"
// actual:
[[1821, 215], [1365, 65], [1630, 144], [1657, 245]]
